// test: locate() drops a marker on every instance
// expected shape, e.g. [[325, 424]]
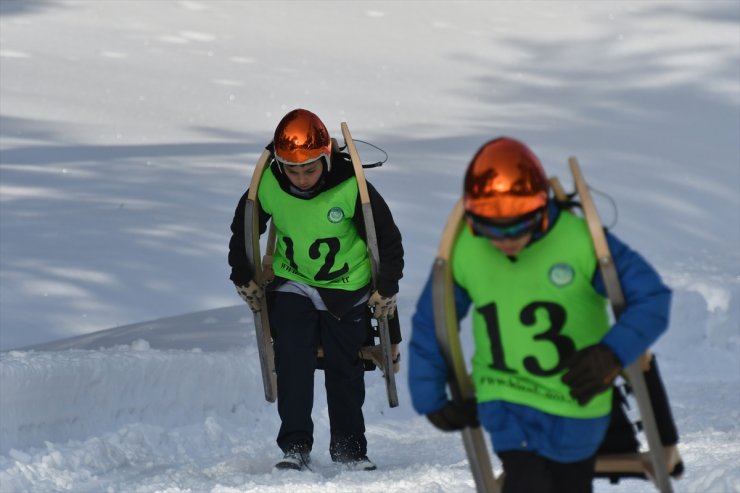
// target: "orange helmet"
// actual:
[[300, 138], [504, 180]]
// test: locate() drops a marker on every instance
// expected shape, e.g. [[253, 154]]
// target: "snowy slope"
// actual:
[[129, 130], [131, 417]]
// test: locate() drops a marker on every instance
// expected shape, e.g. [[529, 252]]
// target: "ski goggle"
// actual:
[[309, 159], [322, 161], [514, 229]]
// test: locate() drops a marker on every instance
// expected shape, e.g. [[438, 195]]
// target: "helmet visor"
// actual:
[[300, 138], [511, 229]]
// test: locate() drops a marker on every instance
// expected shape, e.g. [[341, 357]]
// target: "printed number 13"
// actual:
[[528, 316]]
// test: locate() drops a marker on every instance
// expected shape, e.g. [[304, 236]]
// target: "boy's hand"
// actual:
[[383, 306], [452, 417], [591, 371], [252, 294]]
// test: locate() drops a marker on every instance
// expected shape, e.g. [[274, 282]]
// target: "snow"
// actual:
[[130, 129]]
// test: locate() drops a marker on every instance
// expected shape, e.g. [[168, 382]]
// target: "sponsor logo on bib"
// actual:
[[561, 274], [335, 215]]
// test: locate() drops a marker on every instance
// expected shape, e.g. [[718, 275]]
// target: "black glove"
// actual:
[[452, 417], [591, 371]]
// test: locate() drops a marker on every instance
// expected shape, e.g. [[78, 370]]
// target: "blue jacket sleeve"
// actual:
[[647, 303], [428, 373]]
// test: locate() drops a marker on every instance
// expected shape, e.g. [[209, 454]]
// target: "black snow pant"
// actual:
[[299, 329], [525, 472]]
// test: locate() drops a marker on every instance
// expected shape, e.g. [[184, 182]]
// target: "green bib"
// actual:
[[316, 241], [530, 314]]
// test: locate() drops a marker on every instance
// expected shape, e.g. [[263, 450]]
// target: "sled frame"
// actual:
[[386, 361], [447, 331], [658, 462], [252, 246]]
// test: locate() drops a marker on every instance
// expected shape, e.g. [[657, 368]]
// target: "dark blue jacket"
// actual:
[[517, 427]]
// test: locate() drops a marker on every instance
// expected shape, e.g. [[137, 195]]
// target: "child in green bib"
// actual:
[[320, 294], [545, 352]]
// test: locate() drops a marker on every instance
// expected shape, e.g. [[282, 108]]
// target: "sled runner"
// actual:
[[618, 457], [388, 332]]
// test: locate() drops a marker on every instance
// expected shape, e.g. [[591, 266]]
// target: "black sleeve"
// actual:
[[241, 271], [390, 247]]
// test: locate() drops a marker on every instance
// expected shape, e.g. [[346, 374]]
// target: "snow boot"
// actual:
[[294, 459], [360, 464]]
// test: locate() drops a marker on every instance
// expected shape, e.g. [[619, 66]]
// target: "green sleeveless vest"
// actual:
[[316, 241], [530, 314]]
